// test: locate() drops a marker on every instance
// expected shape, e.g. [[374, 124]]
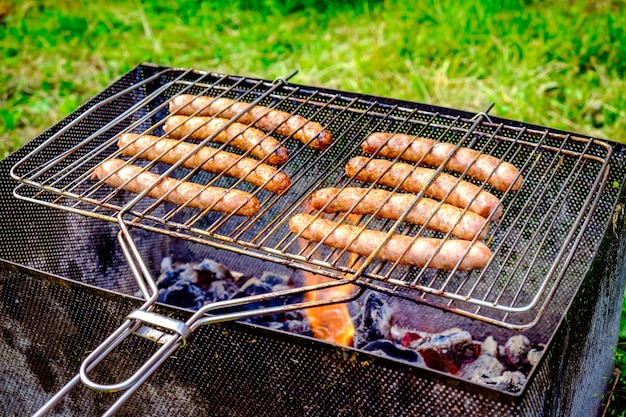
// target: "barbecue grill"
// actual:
[[556, 252]]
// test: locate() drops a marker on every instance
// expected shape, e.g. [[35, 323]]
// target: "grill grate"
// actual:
[[533, 243]]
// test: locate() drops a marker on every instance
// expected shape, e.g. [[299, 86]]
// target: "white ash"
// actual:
[[399, 335], [219, 271], [483, 369], [448, 341], [500, 366], [509, 381], [516, 350], [489, 347], [534, 355]]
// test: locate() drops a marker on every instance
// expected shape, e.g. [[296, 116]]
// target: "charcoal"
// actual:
[[509, 381], [183, 294], [218, 291], [275, 281], [209, 271], [534, 355], [274, 325], [389, 349], [166, 264], [193, 284], [374, 322], [169, 278], [516, 352], [177, 286], [253, 286], [489, 346], [447, 350], [482, 369], [296, 326], [408, 338]]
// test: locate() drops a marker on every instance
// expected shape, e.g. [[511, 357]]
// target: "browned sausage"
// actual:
[[117, 173], [501, 175], [237, 135], [171, 151], [461, 193], [445, 218], [265, 118], [406, 250]]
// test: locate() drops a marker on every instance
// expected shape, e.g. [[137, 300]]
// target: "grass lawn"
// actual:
[[558, 64]]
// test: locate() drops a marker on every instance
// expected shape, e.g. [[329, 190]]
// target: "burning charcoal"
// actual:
[[408, 338], [389, 349], [509, 381], [446, 351], [516, 352], [374, 322]]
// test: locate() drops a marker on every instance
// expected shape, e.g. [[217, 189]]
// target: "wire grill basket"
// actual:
[[542, 225]]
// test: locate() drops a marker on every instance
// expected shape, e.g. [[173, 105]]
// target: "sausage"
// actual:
[[265, 118], [445, 218], [499, 174], [238, 135], [171, 151], [118, 173], [391, 174], [406, 250]]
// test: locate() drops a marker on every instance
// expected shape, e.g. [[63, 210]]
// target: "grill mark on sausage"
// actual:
[[406, 250], [208, 159], [443, 187], [117, 173], [265, 118], [443, 218], [238, 135], [499, 174]]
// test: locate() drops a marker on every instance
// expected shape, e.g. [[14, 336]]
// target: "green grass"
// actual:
[[558, 64]]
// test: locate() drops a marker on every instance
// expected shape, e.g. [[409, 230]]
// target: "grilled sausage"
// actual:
[[265, 118], [171, 151], [462, 194], [238, 135], [445, 218], [117, 173], [406, 250], [501, 175]]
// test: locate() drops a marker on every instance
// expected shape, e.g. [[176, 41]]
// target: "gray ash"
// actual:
[[502, 366]]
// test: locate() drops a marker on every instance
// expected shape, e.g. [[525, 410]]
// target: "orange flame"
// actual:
[[331, 323]]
